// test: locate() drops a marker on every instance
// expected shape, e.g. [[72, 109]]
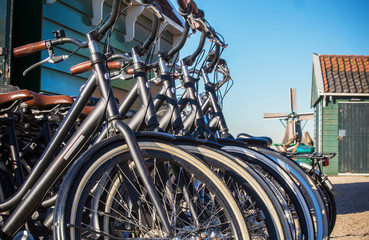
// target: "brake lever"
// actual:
[[156, 79], [51, 59], [120, 75], [193, 23]]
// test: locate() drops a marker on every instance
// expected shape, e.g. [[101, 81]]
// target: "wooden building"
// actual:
[[340, 97], [32, 21]]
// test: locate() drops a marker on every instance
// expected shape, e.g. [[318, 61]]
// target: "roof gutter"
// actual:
[[325, 95]]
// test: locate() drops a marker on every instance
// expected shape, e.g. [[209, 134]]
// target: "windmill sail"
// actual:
[[293, 132], [293, 100], [275, 115], [305, 116]]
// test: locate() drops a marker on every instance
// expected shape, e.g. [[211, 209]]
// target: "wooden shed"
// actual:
[[340, 97], [32, 21]]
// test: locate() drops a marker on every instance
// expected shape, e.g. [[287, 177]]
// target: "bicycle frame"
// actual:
[[218, 122], [14, 149]]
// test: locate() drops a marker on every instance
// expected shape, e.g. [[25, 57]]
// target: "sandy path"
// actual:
[[352, 207]]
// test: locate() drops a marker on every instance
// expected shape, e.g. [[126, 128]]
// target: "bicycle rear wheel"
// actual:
[[265, 218], [104, 197], [325, 189], [285, 189], [308, 187]]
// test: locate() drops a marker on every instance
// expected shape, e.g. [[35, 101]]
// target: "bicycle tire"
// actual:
[[291, 193], [308, 187], [254, 187], [71, 210], [325, 187]]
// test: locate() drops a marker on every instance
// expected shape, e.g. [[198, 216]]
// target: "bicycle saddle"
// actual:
[[260, 141], [48, 101], [85, 111], [6, 99]]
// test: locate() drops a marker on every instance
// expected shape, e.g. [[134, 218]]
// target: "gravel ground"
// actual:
[[352, 201]]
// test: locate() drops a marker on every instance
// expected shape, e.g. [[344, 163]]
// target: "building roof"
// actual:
[[168, 10], [345, 73]]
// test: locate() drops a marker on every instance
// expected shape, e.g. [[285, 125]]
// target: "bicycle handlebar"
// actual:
[[189, 60], [181, 42], [154, 31], [86, 66], [183, 4], [112, 64], [114, 16], [208, 68], [43, 45], [195, 9], [199, 48], [29, 48]]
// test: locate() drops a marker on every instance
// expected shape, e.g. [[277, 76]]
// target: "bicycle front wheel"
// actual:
[[106, 198]]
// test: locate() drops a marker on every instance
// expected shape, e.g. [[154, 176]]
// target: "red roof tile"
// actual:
[[345, 73]]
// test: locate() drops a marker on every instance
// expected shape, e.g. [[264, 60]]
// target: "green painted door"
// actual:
[[353, 137]]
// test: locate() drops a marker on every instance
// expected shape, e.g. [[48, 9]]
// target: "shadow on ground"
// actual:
[[352, 197]]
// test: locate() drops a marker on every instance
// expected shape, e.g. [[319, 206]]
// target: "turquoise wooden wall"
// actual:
[[74, 16]]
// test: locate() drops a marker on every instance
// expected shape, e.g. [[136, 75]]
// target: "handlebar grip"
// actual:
[[29, 49], [81, 68], [86, 66], [130, 71]]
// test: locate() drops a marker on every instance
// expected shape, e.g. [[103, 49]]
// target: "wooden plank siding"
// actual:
[[329, 137], [74, 16], [354, 144]]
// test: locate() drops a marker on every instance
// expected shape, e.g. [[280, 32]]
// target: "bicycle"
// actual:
[[314, 170]]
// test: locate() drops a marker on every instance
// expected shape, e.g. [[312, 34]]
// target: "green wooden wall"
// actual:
[[329, 131], [330, 134]]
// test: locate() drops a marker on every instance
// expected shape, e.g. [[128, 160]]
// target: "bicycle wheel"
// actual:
[[325, 189], [105, 197], [287, 192], [265, 218], [308, 188]]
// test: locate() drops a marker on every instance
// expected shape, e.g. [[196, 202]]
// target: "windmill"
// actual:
[[293, 132]]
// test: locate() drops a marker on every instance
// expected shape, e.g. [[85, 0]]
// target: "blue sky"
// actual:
[[270, 48]]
